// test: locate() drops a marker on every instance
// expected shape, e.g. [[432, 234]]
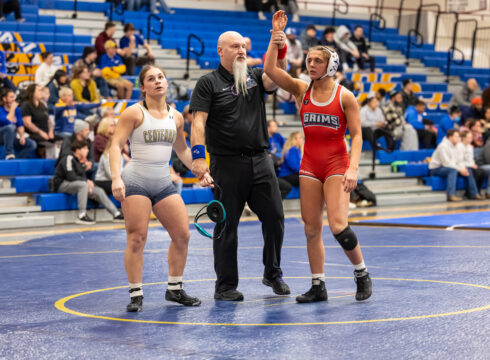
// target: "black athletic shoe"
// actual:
[[180, 296], [136, 304], [229, 295], [278, 285], [119, 218], [316, 293], [84, 220], [364, 285]]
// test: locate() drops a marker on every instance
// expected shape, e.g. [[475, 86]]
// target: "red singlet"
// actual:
[[324, 126]]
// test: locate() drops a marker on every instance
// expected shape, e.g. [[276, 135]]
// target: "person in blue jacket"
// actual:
[[292, 153], [10, 125], [276, 141], [66, 112], [414, 116], [448, 121]]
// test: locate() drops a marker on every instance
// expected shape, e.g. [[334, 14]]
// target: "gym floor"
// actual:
[[64, 296]]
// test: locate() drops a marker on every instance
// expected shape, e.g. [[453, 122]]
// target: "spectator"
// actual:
[[130, 43], [289, 6], [464, 96], [448, 122], [475, 127], [187, 115], [70, 178], [294, 52], [395, 123], [483, 161], [176, 179], [408, 96], [328, 40], [11, 126], [66, 113], [84, 88], [253, 59], [112, 68], [425, 131], [36, 120], [59, 80], [89, 59], [359, 41], [46, 70], [103, 177], [474, 111], [105, 112], [346, 48], [291, 160], [374, 125], [485, 96], [8, 6], [103, 37], [467, 157], [445, 163], [381, 97], [105, 130], [5, 82], [276, 142], [308, 39], [152, 6]]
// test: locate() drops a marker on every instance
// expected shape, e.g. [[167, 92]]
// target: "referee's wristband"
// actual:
[[281, 54], [198, 152]]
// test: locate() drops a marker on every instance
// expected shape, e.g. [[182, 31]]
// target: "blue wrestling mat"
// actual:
[[469, 220], [64, 296]]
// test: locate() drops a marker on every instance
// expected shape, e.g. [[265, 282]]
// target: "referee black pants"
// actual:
[[250, 179]]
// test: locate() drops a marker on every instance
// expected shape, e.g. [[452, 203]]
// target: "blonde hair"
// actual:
[[107, 146], [65, 90], [103, 128], [290, 143]]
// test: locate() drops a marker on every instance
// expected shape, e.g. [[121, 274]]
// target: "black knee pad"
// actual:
[[347, 239]]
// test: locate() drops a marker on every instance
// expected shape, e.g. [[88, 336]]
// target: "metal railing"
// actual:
[[149, 29], [113, 5], [453, 49], [419, 42], [336, 9], [373, 19], [189, 50]]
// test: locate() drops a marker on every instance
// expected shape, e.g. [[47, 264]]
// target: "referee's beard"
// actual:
[[240, 73]]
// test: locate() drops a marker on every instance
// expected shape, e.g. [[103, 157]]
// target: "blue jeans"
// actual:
[[451, 176], [9, 139]]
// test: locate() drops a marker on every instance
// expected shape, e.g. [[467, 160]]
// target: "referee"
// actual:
[[229, 116]]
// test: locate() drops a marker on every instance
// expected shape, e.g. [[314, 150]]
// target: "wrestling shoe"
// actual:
[[278, 285], [364, 285], [316, 293], [136, 304], [180, 296], [229, 295]]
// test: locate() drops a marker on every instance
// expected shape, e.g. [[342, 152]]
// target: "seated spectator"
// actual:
[[187, 115], [70, 178], [130, 43], [474, 111], [11, 125], [135, 5], [485, 96], [374, 125], [105, 130], [483, 161], [103, 178], [448, 122], [474, 126], [467, 158], [8, 6], [46, 70], [289, 6], [291, 160], [176, 179], [6, 83], [84, 88], [408, 96], [308, 39], [381, 97], [103, 37], [359, 41], [395, 123], [464, 96], [66, 112], [89, 59], [253, 59], [276, 142], [112, 68], [414, 116], [328, 39], [294, 52], [36, 120], [445, 163], [59, 80], [346, 49]]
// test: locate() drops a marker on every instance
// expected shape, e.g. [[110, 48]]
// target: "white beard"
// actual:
[[240, 73]]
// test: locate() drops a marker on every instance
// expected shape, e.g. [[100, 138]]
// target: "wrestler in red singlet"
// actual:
[[324, 125]]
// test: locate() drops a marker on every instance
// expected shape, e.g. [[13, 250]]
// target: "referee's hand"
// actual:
[[200, 168]]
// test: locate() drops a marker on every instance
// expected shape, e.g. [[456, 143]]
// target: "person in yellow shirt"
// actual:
[[84, 88], [112, 68]]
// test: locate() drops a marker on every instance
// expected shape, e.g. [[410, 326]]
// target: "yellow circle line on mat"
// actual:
[[60, 305]]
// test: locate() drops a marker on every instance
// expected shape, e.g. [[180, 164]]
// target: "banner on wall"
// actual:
[[466, 5]]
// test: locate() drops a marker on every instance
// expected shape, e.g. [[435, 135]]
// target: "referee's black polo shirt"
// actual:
[[236, 124]]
